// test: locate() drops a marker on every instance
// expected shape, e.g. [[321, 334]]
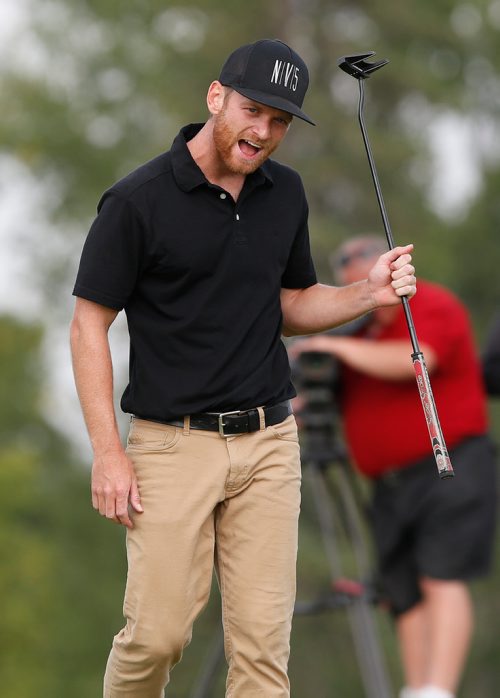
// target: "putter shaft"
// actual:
[[359, 68], [383, 212]]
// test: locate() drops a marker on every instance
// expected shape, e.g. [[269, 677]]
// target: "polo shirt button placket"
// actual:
[[240, 236], [223, 196]]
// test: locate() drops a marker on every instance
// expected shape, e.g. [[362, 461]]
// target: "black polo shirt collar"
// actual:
[[188, 175]]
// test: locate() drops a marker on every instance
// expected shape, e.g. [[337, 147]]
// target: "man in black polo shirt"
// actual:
[[206, 248]]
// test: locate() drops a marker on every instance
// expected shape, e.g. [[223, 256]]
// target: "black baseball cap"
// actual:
[[269, 72]]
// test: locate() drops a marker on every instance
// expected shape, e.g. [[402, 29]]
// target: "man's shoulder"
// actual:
[[147, 175], [433, 292], [439, 301]]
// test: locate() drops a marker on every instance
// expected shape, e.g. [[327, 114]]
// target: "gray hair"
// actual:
[[368, 245]]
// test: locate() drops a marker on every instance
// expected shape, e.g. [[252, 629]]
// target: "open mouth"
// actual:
[[248, 148]]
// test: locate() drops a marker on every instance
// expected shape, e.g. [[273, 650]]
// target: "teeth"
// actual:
[[253, 144]]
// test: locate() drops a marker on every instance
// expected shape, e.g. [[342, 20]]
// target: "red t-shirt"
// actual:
[[384, 421]]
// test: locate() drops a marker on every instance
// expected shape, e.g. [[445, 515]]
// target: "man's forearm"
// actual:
[[114, 483], [319, 308], [93, 370], [388, 360], [322, 307]]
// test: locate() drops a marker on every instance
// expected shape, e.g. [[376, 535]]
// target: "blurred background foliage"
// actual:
[[92, 88]]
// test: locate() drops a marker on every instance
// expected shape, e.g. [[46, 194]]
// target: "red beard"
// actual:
[[225, 140]]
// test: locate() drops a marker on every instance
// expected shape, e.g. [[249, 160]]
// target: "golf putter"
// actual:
[[360, 68]]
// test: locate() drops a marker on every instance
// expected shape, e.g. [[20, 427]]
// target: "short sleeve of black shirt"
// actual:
[[113, 253]]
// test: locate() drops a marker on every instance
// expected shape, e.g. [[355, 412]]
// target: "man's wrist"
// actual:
[[103, 450], [371, 300]]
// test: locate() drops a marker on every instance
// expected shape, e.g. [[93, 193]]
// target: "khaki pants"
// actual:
[[208, 499]]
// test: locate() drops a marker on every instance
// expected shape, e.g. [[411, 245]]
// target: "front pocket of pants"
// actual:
[[286, 430], [145, 438]]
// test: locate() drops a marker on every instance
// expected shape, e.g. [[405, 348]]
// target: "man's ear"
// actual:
[[215, 97]]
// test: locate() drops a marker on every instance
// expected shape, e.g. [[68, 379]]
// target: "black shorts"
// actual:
[[426, 526]]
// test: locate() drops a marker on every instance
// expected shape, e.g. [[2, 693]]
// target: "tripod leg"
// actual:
[[370, 645], [360, 615], [353, 522], [213, 664]]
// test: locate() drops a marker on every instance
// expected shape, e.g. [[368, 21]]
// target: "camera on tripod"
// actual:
[[316, 377]]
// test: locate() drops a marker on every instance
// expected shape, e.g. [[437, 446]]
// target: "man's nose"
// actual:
[[262, 128]]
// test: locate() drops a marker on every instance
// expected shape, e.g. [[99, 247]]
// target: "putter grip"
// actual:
[[441, 456]]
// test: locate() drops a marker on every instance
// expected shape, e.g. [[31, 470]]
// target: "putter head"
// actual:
[[358, 66]]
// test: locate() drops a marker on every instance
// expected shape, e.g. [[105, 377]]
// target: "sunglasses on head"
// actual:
[[363, 253]]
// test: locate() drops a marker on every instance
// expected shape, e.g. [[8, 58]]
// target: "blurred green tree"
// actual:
[[94, 88], [62, 568]]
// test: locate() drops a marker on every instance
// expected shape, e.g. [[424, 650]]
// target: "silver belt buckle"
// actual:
[[221, 423]]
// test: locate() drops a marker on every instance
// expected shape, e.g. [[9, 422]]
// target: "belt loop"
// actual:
[[262, 418], [187, 425]]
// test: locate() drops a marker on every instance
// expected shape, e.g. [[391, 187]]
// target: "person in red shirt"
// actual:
[[431, 535]]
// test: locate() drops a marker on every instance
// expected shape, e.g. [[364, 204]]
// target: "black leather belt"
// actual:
[[237, 422]]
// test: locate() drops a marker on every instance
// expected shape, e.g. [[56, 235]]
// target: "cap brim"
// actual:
[[273, 101]]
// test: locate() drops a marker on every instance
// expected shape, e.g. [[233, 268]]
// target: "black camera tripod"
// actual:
[[330, 478], [339, 508], [337, 502]]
